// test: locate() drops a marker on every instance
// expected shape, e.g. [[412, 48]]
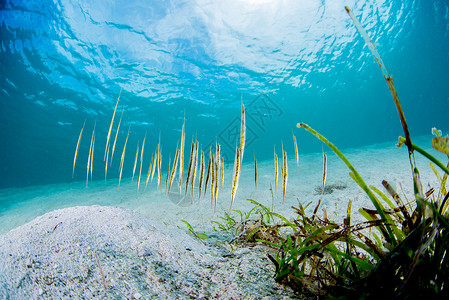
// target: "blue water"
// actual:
[[64, 62]]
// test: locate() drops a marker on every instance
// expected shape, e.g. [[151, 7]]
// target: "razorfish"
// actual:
[[77, 147], [159, 163], [122, 159], [154, 166], [140, 168], [284, 174], [106, 150], [173, 170], [149, 171], [324, 170], [181, 159], [255, 171], [89, 159], [235, 175], [195, 165], [168, 172], [92, 156], [216, 183], [189, 169], [238, 156], [208, 171], [116, 134], [202, 170], [212, 181], [296, 151], [135, 161]]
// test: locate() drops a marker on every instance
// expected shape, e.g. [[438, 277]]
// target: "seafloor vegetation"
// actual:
[[400, 251]]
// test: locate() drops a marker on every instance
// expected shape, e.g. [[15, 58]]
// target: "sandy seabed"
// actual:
[[101, 242]]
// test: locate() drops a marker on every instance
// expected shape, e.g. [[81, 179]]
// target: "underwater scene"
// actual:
[[204, 115]]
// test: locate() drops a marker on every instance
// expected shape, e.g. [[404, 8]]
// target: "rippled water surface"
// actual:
[[63, 63]]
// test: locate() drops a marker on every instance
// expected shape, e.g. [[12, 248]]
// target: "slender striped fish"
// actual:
[[154, 166], [296, 151], [189, 169], [255, 171], [110, 126], [135, 161], [217, 158], [89, 159], [141, 161], [92, 155], [202, 170], [195, 166], [106, 164], [116, 134], [324, 170], [284, 174], [122, 159], [235, 175], [173, 170], [181, 159], [159, 163], [212, 181], [168, 172], [216, 184], [208, 170], [77, 147], [238, 157], [242, 134], [149, 171]]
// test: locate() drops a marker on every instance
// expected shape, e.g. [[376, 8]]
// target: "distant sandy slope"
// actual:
[[62, 255]]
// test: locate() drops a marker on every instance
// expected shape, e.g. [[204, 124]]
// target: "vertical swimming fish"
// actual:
[[324, 170], [116, 134], [218, 162], [135, 161], [238, 157], [173, 170], [208, 170], [235, 175], [216, 184], [195, 165], [284, 174], [122, 159], [110, 126], [154, 167], [275, 171], [149, 171], [92, 155], [189, 169], [77, 147], [255, 171], [296, 151], [181, 159], [202, 170], [159, 163], [140, 168], [242, 134], [168, 173], [89, 159], [212, 180], [106, 164]]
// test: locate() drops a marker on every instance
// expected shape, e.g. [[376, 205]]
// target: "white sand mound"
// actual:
[[89, 252]]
